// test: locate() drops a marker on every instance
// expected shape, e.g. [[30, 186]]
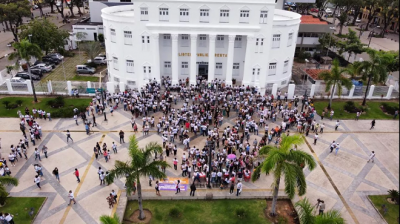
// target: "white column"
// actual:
[[211, 58], [110, 87], [156, 54], [49, 87], [371, 91], [389, 93], [69, 87], [229, 61], [291, 91], [89, 85], [122, 86], [353, 87], [312, 90], [9, 86], [29, 85], [174, 62], [247, 62], [193, 57], [274, 89]]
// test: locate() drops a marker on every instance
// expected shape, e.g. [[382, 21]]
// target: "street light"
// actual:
[[370, 35]]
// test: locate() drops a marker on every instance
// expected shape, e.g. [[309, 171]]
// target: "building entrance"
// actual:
[[203, 70]]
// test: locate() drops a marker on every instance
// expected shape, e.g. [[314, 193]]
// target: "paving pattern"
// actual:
[[343, 180]]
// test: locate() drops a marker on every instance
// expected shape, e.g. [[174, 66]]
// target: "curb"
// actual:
[[377, 210]]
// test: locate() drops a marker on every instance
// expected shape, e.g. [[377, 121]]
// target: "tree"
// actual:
[[284, 161], [353, 44], [92, 49], [45, 34], [375, 69], [106, 219], [26, 50], [60, 8], [373, 10], [342, 20], [101, 37], [6, 180], [334, 78], [12, 14], [39, 4], [307, 215], [389, 11], [326, 41], [141, 164], [354, 69], [321, 4]]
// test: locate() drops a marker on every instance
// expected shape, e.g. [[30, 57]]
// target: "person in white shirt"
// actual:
[[71, 197], [37, 181], [337, 125], [371, 157], [315, 138], [239, 188]]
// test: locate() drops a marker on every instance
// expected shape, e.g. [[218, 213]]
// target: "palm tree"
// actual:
[[334, 78], [141, 164], [307, 214], [284, 161], [375, 69], [92, 49], [106, 219], [354, 69], [26, 50], [6, 180]]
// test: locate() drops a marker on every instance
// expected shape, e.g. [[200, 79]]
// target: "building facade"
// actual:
[[251, 42]]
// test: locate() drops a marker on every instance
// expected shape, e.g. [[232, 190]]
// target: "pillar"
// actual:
[[389, 93], [312, 92], [229, 61], [89, 85], [29, 85], [211, 58], [69, 87], [174, 61], [121, 86], [49, 87], [110, 87], [193, 58], [353, 87], [291, 91], [274, 89], [247, 62], [371, 91], [156, 54], [9, 86], [1, 77]]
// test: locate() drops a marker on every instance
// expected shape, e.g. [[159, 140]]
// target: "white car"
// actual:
[[358, 20], [43, 67], [328, 11], [98, 61], [17, 81]]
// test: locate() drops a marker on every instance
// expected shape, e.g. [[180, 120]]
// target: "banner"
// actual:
[[169, 183]]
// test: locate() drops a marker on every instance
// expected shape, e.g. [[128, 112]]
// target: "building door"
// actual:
[[95, 36], [203, 71]]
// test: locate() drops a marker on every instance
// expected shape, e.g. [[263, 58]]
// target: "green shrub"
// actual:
[[101, 37], [174, 212], [240, 212], [6, 103], [59, 101], [389, 109], [19, 102], [350, 107], [282, 220], [12, 106], [394, 194]]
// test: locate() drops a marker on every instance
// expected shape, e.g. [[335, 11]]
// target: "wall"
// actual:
[[90, 30], [95, 10]]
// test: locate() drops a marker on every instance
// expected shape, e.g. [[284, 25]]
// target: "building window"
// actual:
[[130, 66], [204, 15], [238, 41], [148, 39], [272, 69], [144, 14], [224, 16], [290, 39], [259, 45], [115, 63], [244, 16], [263, 17], [218, 68], [144, 69], [167, 64], [184, 15], [276, 40], [164, 15], [128, 37], [184, 40], [285, 66], [149, 68], [113, 35], [235, 66], [202, 40], [167, 40], [185, 66], [220, 41]]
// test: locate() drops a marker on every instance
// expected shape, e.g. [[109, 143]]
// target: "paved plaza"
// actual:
[[343, 181]]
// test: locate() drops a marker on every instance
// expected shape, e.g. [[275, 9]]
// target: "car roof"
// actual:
[[15, 78]]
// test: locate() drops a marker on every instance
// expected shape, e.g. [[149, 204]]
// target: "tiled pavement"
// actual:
[[343, 181]]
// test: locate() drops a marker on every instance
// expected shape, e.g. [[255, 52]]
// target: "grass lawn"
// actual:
[[70, 103], [393, 210], [374, 111], [85, 78], [200, 211], [20, 207]]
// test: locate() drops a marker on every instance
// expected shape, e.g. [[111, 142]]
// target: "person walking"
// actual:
[[110, 200], [337, 149], [114, 194], [56, 173], [71, 198], [371, 157], [69, 136], [175, 164], [94, 121], [372, 124], [121, 136], [192, 189], [337, 125], [315, 138], [87, 129], [76, 173], [37, 154], [332, 146], [157, 187], [102, 176], [37, 181], [232, 187], [321, 207], [331, 114], [238, 188], [44, 150], [178, 188], [396, 113], [321, 128], [114, 147], [358, 115]]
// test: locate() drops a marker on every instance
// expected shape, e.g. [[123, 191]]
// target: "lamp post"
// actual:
[[370, 35], [304, 100]]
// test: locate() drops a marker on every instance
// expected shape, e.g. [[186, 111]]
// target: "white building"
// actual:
[[252, 42]]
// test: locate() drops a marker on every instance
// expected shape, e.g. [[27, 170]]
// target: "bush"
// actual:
[[174, 212], [6, 103], [350, 107], [389, 109], [12, 106], [240, 212], [19, 102], [57, 102], [101, 37], [394, 195], [282, 220]]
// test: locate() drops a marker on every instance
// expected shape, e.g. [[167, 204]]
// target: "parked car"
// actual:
[[358, 20], [51, 60], [102, 56], [84, 69], [43, 67], [17, 81], [35, 7], [328, 11], [36, 71], [57, 55], [314, 10], [48, 63], [98, 61], [25, 75]]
